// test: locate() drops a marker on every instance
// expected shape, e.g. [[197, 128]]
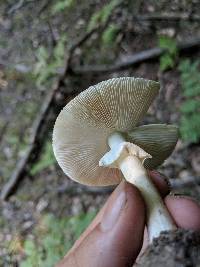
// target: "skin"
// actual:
[[118, 236]]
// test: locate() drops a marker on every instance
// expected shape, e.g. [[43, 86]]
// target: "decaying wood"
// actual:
[[138, 58], [22, 164]]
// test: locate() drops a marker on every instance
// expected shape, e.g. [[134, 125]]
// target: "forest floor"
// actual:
[[25, 27]]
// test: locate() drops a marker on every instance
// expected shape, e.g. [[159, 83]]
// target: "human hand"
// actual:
[[118, 235]]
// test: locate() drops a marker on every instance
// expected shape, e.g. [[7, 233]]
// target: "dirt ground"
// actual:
[[27, 25]]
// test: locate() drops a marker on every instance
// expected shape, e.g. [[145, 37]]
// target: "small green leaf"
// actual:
[[190, 128], [166, 62], [59, 50], [190, 106], [62, 5], [190, 109], [168, 43], [101, 16], [110, 34], [47, 65], [167, 59], [47, 159]]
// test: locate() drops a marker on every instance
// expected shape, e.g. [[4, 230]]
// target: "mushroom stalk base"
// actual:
[[129, 159]]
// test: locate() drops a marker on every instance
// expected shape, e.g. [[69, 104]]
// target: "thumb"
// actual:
[[116, 239]]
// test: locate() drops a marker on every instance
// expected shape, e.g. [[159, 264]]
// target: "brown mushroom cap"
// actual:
[[83, 126]]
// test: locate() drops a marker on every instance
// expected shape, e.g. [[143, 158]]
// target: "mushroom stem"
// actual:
[[158, 217]]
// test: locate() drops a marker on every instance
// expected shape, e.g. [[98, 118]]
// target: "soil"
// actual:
[[180, 248]]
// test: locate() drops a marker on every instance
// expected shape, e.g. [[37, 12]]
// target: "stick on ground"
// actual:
[[22, 164], [138, 58], [168, 17]]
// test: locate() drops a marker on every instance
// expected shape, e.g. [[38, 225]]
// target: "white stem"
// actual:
[[115, 139], [158, 217]]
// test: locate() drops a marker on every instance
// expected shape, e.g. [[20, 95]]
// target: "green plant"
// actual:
[[47, 65], [190, 109], [54, 237], [110, 34], [47, 159], [62, 5], [101, 16], [168, 58]]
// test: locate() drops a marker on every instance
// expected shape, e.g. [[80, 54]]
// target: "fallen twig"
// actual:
[[168, 16], [17, 6], [144, 56], [22, 165]]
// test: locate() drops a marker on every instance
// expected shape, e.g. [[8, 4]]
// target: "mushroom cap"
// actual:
[[83, 126]]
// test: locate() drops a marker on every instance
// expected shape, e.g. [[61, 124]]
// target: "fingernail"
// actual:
[[114, 209], [179, 195]]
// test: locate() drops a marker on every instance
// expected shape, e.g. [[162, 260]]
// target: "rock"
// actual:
[[76, 207], [170, 32], [27, 225], [42, 204], [186, 176]]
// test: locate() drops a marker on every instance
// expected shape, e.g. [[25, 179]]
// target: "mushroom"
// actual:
[[106, 116]]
